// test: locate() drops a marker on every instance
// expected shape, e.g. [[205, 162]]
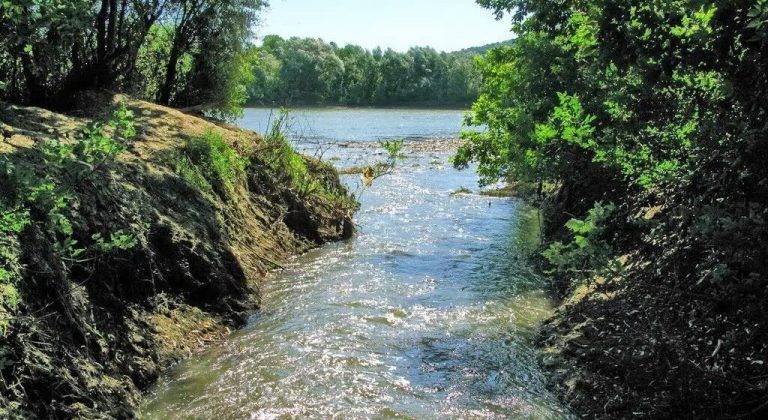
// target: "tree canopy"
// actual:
[[175, 52]]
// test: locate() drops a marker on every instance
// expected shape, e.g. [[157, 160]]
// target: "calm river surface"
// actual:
[[429, 312], [360, 124]]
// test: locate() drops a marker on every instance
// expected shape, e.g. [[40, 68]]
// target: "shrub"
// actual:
[[12, 222], [394, 148], [588, 250]]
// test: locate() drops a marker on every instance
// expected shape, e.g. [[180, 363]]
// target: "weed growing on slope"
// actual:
[[588, 251], [42, 194], [210, 163]]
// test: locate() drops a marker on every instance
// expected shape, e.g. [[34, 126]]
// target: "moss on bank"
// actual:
[[115, 267]]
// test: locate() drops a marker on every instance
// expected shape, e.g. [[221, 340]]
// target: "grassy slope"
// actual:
[[89, 335]]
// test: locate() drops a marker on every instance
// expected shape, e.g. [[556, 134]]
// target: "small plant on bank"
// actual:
[[281, 157], [43, 194], [587, 251]]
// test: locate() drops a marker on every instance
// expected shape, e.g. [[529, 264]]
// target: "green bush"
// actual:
[[394, 148], [12, 222], [588, 251]]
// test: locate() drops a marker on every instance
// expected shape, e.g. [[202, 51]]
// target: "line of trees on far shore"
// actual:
[[309, 71]]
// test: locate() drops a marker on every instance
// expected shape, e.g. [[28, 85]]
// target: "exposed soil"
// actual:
[[87, 339]]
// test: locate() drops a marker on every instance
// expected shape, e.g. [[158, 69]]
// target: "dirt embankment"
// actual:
[[145, 258], [650, 341]]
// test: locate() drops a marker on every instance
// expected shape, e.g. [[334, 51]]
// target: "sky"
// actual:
[[446, 25]]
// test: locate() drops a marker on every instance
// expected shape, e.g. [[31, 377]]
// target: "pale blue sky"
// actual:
[[446, 25]]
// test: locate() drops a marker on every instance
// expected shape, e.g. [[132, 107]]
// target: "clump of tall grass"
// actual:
[[210, 163], [280, 156]]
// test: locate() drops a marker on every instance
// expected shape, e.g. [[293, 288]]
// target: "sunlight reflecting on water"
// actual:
[[430, 311]]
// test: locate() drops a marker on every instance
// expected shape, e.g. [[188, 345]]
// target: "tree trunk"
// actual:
[[99, 64], [164, 95], [101, 30], [36, 92], [111, 27]]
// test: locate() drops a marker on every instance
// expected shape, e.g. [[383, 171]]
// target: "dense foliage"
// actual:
[[177, 52], [651, 97], [643, 123], [310, 71]]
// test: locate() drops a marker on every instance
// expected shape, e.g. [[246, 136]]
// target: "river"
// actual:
[[429, 312]]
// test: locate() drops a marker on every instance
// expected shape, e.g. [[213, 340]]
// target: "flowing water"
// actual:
[[429, 312]]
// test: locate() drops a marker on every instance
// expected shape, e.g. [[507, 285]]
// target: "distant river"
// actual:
[[360, 124], [429, 312]]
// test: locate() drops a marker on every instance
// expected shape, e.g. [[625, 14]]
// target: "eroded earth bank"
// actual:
[[135, 234]]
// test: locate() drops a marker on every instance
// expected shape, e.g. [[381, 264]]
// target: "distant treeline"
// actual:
[[310, 71]]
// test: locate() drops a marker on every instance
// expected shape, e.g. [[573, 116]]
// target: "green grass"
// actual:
[[209, 163], [280, 157], [190, 172]]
